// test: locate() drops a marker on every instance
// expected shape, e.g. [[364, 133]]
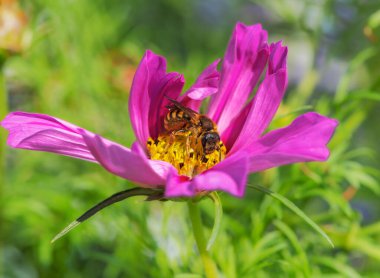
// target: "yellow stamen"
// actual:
[[188, 159]]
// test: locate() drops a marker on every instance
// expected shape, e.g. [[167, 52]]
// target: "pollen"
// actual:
[[188, 159]]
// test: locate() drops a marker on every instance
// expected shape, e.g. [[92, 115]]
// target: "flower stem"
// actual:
[[196, 222]]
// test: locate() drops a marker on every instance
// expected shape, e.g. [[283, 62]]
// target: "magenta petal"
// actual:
[[256, 116], [243, 64], [45, 133], [178, 186], [161, 168], [262, 110], [170, 86], [303, 140], [206, 85], [121, 161], [230, 134], [230, 176], [278, 57], [150, 84]]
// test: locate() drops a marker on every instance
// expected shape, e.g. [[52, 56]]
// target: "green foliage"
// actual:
[[79, 68]]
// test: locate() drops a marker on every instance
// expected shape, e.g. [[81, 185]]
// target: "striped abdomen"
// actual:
[[176, 119]]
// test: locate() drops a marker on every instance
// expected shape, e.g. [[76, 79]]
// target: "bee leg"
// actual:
[[220, 153], [171, 141], [173, 135], [171, 138], [186, 134], [187, 149], [180, 132]]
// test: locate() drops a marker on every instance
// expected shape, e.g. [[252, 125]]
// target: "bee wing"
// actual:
[[193, 115]]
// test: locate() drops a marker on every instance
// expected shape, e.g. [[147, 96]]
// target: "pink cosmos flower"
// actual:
[[241, 120]]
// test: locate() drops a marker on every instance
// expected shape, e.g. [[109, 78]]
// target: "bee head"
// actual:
[[210, 141]]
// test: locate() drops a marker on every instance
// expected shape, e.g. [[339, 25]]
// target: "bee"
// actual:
[[183, 121]]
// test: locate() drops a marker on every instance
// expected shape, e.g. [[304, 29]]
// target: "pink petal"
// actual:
[[44, 133], [172, 86], [230, 134], [278, 58], [243, 64], [161, 168], [230, 176], [121, 161], [263, 106], [204, 86], [305, 139], [178, 186], [150, 84]]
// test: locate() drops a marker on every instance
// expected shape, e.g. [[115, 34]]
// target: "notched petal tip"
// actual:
[[150, 56], [278, 57], [244, 62], [242, 27]]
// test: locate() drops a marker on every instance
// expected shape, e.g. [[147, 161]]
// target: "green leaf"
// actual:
[[187, 275], [67, 229], [117, 197], [367, 247], [218, 219], [343, 269], [303, 262], [374, 20], [345, 81], [371, 229], [290, 205], [302, 109], [365, 95]]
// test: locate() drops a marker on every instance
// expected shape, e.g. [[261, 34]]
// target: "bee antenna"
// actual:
[[171, 99]]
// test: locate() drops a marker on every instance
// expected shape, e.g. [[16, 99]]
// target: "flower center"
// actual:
[[185, 153]]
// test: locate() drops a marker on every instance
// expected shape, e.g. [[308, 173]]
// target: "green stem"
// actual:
[[196, 222]]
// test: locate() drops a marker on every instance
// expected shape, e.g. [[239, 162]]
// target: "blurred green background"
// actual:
[[76, 62]]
